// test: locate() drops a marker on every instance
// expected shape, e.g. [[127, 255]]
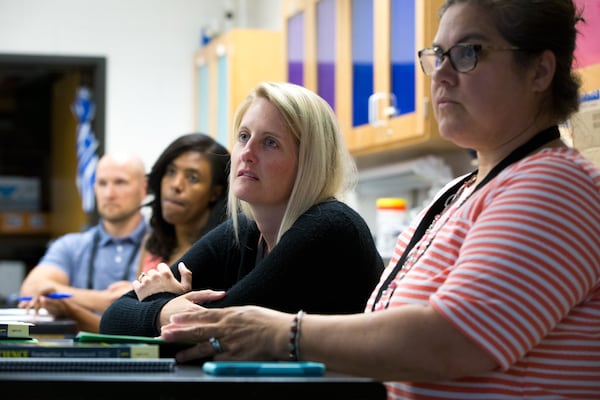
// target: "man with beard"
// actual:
[[96, 266]]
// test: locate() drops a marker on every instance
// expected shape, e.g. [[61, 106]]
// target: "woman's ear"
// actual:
[[545, 68]]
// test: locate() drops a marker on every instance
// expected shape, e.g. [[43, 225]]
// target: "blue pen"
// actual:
[[56, 295]]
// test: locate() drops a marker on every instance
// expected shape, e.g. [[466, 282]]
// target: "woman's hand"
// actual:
[[162, 280], [244, 333], [187, 303]]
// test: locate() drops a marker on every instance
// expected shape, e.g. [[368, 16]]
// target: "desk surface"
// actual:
[[183, 383]]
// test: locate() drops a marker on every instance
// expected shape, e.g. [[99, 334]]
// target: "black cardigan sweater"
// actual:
[[325, 263]]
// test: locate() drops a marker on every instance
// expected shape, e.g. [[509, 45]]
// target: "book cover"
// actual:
[[166, 349], [87, 365], [49, 349], [14, 330]]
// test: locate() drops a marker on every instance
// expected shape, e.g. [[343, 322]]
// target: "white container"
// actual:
[[12, 274], [391, 220]]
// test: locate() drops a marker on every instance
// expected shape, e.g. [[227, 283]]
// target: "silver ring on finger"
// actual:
[[216, 345], [142, 275]]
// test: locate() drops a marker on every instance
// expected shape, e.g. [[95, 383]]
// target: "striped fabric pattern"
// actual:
[[517, 270], [87, 145]]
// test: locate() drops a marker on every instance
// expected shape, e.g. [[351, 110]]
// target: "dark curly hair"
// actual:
[[161, 240]]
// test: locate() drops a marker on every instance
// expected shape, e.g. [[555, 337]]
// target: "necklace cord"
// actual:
[[93, 251], [537, 141]]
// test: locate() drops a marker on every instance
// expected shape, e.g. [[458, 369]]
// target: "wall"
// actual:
[[585, 125], [149, 47]]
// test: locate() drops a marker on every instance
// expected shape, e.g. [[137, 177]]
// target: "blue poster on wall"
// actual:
[[83, 108]]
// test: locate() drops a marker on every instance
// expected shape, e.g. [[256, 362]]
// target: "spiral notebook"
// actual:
[[87, 365]]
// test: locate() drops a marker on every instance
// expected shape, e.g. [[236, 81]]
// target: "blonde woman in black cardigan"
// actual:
[[291, 243]]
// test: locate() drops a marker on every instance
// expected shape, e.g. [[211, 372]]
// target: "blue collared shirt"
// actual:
[[73, 252]]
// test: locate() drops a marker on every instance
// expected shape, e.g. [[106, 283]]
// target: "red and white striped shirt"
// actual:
[[516, 269]]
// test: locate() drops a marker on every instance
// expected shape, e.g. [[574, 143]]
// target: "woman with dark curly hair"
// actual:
[[189, 181]]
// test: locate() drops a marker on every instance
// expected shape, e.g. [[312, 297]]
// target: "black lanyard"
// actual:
[[128, 266], [537, 141]]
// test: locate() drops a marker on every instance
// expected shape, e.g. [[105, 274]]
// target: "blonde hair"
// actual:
[[326, 169]]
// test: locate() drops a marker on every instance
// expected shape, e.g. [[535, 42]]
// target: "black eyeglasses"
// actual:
[[463, 57]]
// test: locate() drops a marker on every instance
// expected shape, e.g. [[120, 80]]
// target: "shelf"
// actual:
[[24, 222]]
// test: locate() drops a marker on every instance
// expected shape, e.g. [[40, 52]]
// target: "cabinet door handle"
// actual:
[[382, 107]]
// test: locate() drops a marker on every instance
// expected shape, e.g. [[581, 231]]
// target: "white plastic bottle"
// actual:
[[391, 220]]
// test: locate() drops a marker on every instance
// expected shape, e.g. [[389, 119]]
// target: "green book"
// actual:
[[91, 337]]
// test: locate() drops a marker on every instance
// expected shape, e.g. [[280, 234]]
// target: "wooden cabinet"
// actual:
[[377, 88], [316, 43], [226, 69]]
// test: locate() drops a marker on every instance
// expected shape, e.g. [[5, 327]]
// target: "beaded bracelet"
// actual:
[[294, 343]]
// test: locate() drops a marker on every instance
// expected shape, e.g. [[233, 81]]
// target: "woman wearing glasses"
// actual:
[[494, 292]]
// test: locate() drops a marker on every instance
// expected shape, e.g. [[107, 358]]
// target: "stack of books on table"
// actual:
[[87, 352], [14, 330], [45, 326]]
